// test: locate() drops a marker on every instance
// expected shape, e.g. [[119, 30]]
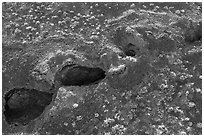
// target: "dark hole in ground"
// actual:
[[79, 75], [130, 53], [23, 105]]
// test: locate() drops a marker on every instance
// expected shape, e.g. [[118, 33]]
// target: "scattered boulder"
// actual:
[[127, 76]]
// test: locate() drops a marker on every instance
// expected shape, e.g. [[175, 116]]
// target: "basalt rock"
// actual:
[[142, 52], [24, 105], [128, 40], [79, 75], [193, 33]]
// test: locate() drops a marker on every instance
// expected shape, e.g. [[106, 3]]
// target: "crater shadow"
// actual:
[[79, 75], [24, 105]]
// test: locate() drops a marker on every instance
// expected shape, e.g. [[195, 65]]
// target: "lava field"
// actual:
[[107, 68]]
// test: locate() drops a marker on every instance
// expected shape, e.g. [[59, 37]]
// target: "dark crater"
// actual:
[[131, 50], [76, 75], [128, 51], [23, 105]]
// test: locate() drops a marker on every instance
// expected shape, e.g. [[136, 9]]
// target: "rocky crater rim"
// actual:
[[22, 105]]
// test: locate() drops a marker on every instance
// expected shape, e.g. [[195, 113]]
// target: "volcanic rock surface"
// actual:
[[102, 68]]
